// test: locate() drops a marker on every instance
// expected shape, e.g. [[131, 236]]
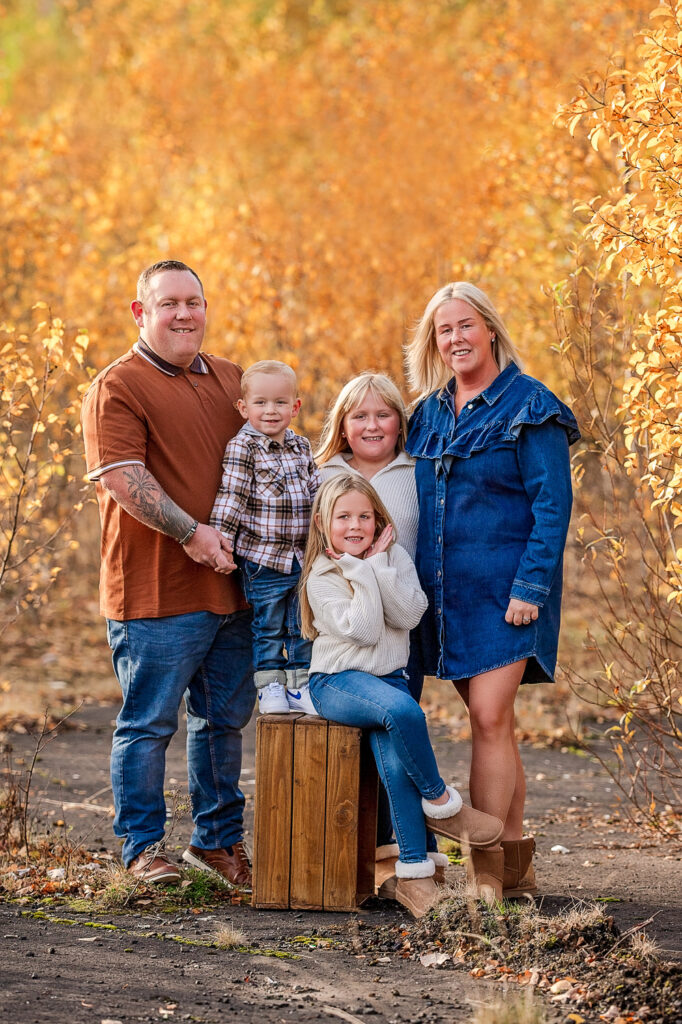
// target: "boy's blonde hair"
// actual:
[[426, 371], [350, 396], [271, 366], [318, 538]]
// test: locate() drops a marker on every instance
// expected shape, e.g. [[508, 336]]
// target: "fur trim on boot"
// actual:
[[485, 869], [456, 820], [419, 869], [448, 810], [519, 875]]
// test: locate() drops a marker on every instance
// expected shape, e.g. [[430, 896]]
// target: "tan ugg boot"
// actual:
[[456, 820], [415, 887], [384, 871], [485, 870], [519, 876], [417, 894]]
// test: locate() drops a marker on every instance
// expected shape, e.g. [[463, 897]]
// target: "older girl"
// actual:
[[359, 597], [494, 484]]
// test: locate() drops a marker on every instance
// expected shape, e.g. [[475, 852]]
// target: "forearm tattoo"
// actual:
[[148, 502]]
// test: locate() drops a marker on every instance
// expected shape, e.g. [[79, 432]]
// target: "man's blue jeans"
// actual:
[[206, 657], [400, 744], [273, 597]]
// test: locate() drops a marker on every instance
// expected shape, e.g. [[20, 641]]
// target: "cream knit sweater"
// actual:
[[363, 611], [395, 486]]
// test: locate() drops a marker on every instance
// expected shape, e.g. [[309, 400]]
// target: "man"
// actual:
[[155, 426]]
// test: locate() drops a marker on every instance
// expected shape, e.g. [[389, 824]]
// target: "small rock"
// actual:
[[559, 849]]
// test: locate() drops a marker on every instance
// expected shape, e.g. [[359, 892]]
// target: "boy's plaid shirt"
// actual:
[[264, 500]]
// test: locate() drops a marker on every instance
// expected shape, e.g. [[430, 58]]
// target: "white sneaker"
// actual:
[[300, 700], [272, 700]]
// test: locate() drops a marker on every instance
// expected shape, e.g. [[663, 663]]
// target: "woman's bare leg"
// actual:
[[496, 780]]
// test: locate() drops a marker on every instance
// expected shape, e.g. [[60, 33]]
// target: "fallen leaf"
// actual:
[[433, 959]]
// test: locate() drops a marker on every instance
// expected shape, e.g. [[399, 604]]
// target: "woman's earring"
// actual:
[[493, 339], [342, 434]]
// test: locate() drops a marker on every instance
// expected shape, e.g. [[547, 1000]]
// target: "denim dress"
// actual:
[[494, 487]]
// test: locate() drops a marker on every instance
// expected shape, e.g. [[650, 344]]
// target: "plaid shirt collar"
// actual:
[[142, 349], [268, 444]]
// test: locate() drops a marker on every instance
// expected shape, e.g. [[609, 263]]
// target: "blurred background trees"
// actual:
[[327, 165]]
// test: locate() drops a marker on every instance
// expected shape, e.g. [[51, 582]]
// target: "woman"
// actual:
[[364, 435], [494, 486]]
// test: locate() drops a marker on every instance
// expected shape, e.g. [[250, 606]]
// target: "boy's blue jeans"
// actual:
[[273, 597], [207, 658], [400, 744]]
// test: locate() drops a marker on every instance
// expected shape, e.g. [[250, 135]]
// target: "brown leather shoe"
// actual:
[[231, 864], [152, 865]]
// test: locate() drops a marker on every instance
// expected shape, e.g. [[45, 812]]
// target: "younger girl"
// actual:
[[364, 434], [359, 598]]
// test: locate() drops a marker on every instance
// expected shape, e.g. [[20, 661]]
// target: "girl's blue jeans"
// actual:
[[400, 744]]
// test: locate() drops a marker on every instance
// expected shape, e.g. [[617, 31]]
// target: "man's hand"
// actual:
[[142, 496], [209, 547]]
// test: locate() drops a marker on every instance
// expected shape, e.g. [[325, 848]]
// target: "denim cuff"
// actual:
[[523, 591]]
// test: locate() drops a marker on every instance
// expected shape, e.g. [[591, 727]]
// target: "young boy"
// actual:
[[263, 507]]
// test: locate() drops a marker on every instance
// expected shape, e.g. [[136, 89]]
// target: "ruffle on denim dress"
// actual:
[[494, 488]]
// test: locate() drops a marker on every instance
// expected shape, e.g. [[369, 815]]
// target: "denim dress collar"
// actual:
[[493, 418]]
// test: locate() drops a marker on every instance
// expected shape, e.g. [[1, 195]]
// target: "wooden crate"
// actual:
[[315, 821]]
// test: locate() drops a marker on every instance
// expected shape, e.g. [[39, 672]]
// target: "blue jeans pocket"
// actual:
[[251, 569]]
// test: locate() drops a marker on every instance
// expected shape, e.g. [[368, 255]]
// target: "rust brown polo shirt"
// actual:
[[141, 410]]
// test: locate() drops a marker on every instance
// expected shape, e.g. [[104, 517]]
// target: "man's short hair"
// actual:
[[158, 268], [272, 366]]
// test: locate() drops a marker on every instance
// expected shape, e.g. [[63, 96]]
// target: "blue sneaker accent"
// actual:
[[300, 700]]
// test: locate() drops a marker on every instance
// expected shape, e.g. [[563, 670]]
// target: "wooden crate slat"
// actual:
[[367, 824], [272, 824], [308, 814], [343, 790]]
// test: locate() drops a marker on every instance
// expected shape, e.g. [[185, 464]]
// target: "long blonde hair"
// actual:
[[351, 394], [426, 371], [318, 537]]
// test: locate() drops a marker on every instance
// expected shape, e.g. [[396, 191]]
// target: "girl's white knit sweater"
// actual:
[[395, 486], [363, 611]]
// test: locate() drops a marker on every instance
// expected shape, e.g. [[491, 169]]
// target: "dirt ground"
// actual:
[[151, 966]]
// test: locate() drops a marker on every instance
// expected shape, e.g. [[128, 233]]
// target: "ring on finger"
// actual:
[[526, 620]]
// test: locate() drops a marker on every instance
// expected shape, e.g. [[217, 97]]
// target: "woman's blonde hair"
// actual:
[[320, 523], [426, 371], [351, 394]]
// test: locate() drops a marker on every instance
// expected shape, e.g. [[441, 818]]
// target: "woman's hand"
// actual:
[[382, 543], [520, 613]]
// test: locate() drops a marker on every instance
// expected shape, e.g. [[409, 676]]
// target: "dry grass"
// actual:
[[229, 937]]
